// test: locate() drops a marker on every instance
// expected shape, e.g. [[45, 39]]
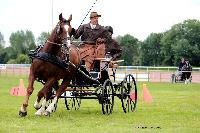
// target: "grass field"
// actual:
[[175, 108]]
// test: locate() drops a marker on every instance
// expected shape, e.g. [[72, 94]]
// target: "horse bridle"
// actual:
[[58, 27], [60, 44], [64, 45]]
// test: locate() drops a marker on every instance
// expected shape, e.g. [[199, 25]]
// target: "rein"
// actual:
[[64, 48], [68, 38], [54, 43]]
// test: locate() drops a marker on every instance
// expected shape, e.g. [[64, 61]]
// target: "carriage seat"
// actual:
[[89, 53]]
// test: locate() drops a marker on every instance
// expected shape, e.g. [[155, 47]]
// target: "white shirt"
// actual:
[[92, 26]]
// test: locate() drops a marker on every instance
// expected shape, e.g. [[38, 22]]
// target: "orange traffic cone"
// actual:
[[21, 91], [146, 94], [18, 91], [14, 91], [132, 96]]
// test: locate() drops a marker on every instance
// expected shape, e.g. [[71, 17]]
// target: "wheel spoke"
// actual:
[[129, 94], [108, 97], [72, 101]]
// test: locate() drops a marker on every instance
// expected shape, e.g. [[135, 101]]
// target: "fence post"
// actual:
[[136, 76], [160, 77]]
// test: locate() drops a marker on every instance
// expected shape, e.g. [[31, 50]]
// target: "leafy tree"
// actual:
[[29, 41], [9, 53], [2, 42], [182, 40], [184, 49], [12, 61], [166, 50], [23, 59], [129, 46], [2, 55], [22, 41], [43, 37], [150, 50], [118, 38]]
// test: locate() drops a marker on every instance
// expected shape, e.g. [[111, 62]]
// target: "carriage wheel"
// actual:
[[173, 78], [107, 97], [72, 101], [129, 94]]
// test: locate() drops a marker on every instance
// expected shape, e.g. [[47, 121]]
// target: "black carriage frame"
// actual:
[[103, 89]]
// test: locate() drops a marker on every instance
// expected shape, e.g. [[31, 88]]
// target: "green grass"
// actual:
[[175, 108]]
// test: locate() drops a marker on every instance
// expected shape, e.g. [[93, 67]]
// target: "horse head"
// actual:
[[59, 37], [60, 33]]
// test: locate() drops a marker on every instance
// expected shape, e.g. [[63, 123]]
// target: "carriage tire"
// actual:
[[129, 94], [107, 97], [173, 78]]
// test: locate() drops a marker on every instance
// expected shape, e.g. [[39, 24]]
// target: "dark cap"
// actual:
[[109, 29], [94, 14]]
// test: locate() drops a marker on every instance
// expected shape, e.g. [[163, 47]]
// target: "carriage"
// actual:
[[84, 71], [182, 74], [97, 84]]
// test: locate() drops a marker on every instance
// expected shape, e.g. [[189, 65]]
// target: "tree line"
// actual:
[[158, 49]]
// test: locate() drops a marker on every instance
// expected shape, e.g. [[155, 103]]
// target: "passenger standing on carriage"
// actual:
[[180, 69], [181, 64], [113, 48]]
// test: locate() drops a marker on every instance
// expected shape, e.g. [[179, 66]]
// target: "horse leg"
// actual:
[[45, 92], [37, 104], [29, 91], [187, 77], [52, 107], [40, 95]]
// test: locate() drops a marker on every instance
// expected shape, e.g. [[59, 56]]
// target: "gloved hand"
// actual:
[[73, 32], [100, 41]]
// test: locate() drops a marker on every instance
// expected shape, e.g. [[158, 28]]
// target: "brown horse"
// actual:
[[47, 65]]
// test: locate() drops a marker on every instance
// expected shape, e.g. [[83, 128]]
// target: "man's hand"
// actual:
[[100, 41], [72, 32]]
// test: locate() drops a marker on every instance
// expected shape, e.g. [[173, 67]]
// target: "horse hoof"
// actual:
[[37, 108], [22, 114], [46, 113]]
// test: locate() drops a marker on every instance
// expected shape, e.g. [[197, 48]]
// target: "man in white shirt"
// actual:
[[91, 31]]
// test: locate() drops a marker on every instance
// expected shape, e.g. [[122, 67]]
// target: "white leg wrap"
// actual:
[[37, 105], [52, 107], [186, 81], [22, 109], [42, 109]]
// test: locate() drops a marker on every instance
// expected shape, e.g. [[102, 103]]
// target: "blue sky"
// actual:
[[136, 17]]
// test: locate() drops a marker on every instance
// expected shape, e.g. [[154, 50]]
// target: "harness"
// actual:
[[50, 57]]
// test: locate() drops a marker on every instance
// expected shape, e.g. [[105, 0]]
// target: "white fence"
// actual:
[[153, 68], [141, 73]]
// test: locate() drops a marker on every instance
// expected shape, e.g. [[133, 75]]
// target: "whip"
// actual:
[[86, 16]]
